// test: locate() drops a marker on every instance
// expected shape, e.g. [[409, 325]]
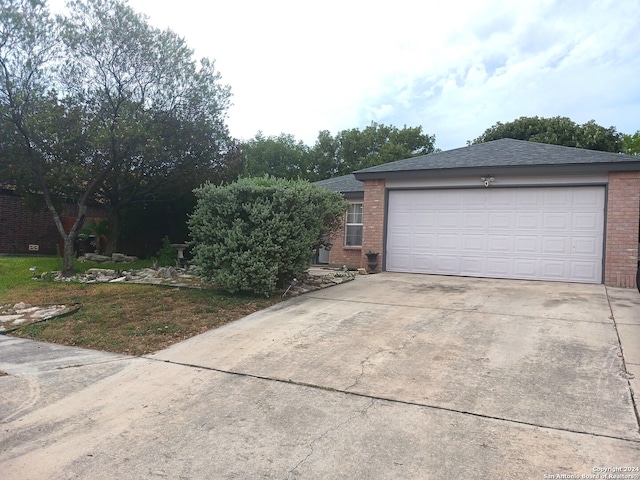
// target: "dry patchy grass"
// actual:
[[128, 318]]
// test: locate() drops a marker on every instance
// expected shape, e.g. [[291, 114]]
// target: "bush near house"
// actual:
[[257, 233]]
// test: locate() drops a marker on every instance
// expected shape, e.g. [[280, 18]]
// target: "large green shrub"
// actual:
[[257, 233]]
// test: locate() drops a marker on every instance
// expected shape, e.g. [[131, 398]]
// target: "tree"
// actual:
[[100, 106], [631, 143], [354, 149], [257, 233], [556, 131], [157, 113], [285, 157], [43, 139], [280, 156]]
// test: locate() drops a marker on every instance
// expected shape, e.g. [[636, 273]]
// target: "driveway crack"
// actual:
[[362, 367], [329, 430], [377, 352]]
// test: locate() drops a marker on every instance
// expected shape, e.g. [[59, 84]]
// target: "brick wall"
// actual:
[[343, 255], [623, 216], [21, 227], [372, 232], [374, 210]]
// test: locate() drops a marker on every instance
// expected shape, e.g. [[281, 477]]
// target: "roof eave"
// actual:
[[507, 169]]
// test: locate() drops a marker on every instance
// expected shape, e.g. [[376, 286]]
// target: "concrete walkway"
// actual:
[[390, 376]]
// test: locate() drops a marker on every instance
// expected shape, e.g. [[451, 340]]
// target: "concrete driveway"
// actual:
[[390, 376]]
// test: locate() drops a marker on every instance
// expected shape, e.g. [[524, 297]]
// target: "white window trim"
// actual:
[[347, 224]]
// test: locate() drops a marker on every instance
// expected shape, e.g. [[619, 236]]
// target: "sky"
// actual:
[[453, 67]]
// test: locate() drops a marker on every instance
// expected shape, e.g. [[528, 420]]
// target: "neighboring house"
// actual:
[[501, 209], [24, 231]]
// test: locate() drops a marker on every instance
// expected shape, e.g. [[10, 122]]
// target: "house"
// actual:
[[501, 209], [24, 230]]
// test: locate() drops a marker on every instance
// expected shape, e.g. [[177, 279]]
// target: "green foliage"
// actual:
[[556, 131], [15, 273], [98, 105], [280, 156], [257, 233], [167, 255], [349, 150], [631, 144], [354, 149]]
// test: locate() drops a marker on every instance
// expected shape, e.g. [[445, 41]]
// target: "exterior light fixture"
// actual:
[[487, 180]]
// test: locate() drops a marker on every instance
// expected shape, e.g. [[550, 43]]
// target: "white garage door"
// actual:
[[553, 233]]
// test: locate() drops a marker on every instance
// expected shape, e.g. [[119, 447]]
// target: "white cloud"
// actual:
[[455, 67]]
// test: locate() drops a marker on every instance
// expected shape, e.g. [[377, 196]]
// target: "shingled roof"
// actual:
[[345, 184], [507, 154]]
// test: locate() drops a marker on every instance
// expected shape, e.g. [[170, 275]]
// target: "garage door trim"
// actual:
[[597, 234]]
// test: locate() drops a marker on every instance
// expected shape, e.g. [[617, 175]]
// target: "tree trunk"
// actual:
[[114, 232], [67, 260], [68, 237]]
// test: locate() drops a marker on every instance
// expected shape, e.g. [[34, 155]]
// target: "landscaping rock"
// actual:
[[94, 257], [313, 279], [115, 258], [12, 317]]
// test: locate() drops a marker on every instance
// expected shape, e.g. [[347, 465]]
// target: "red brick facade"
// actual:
[[623, 215], [374, 219], [622, 229], [372, 232], [340, 254], [21, 227]]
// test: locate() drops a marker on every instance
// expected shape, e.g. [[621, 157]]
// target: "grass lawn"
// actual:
[[117, 317]]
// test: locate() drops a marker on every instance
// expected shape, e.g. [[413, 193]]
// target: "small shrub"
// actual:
[[167, 255], [255, 234]]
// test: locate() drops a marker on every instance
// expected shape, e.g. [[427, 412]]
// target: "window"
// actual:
[[353, 226]]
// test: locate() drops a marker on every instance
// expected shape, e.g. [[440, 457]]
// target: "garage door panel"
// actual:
[[425, 219], [450, 200], [498, 267], [424, 263], [549, 233], [448, 242], [585, 198], [554, 269], [473, 243], [525, 199], [501, 221], [403, 219], [583, 271], [588, 246], [526, 244], [552, 245], [499, 243], [586, 221], [400, 239], [474, 220], [525, 267], [447, 264], [557, 197], [472, 200], [556, 221], [450, 219], [472, 265], [504, 198], [527, 220]]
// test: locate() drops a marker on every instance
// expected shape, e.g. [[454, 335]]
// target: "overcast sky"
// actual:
[[453, 67]]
